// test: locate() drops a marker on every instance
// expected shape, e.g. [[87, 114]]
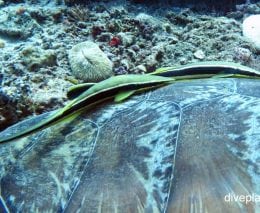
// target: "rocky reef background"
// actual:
[[136, 36]]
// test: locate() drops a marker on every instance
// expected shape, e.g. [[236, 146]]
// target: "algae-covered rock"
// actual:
[[16, 24], [35, 58], [7, 111], [126, 38], [89, 63]]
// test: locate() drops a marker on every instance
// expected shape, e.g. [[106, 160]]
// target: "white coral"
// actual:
[[89, 63], [251, 30]]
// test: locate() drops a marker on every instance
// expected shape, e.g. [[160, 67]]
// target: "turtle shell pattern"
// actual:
[[184, 147]]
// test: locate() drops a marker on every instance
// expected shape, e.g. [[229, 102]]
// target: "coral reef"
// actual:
[[78, 13]]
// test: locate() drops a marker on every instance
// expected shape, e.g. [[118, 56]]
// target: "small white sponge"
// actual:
[[251, 29]]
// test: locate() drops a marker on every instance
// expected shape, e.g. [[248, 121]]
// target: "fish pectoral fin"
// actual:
[[123, 95]]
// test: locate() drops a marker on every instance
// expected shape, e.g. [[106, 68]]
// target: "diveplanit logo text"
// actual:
[[248, 198]]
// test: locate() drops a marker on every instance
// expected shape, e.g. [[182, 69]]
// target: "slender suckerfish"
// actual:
[[97, 93], [186, 72], [207, 68], [121, 87]]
